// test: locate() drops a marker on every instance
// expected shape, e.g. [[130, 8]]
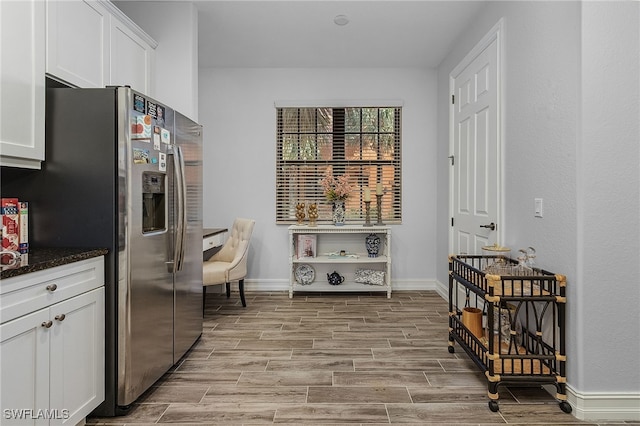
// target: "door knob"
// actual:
[[60, 317], [491, 226], [47, 324]]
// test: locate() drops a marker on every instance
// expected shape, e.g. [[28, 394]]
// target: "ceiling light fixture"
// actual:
[[341, 20]]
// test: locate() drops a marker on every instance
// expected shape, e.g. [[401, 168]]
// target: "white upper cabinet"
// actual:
[[132, 57], [92, 43], [22, 83], [78, 42], [84, 43]]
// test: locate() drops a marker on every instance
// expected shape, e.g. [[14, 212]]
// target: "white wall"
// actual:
[[570, 140], [238, 114], [609, 198], [174, 25]]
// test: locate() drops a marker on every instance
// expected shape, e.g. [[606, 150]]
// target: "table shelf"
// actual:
[[334, 239], [362, 258]]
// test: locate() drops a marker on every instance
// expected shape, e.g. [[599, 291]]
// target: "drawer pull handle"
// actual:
[[47, 324], [52, 287], [60, 317]]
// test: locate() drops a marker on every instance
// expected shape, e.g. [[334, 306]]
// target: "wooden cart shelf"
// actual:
[[523, 334]]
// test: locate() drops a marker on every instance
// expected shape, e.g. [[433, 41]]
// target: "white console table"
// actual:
[[330, 241]]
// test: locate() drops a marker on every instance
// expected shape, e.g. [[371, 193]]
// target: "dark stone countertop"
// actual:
[[45, 258]]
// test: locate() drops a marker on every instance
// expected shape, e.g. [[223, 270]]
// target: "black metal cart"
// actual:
[[522, 312]]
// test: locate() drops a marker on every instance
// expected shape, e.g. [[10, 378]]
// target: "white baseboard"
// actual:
[[266, 285], [442, 290], [283, 285], [594, 406], [413, 285]]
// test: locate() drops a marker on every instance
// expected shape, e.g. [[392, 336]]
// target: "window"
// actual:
[[362, 143]]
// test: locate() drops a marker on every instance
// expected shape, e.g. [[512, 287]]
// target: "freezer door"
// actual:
[[145, 326], [188, 277]]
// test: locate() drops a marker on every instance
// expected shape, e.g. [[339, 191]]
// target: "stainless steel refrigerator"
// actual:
[[123, 171]]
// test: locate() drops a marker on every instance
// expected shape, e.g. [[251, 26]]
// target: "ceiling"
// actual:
[[302, 33]]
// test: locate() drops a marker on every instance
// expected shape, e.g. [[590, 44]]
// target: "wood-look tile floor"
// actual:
[[331, 359]]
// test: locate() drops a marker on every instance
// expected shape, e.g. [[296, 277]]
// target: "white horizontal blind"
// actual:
[[362, 142], [338, 103]]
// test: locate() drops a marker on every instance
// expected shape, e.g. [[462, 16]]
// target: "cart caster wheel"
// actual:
[[451, 349], [564, 406], [493, 406]]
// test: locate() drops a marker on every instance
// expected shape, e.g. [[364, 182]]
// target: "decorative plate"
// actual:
[[305, 274]]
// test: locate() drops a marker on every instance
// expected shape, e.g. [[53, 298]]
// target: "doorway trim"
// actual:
[[496, 33]]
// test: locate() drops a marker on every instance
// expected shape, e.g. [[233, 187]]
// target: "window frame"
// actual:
[[302, 158]]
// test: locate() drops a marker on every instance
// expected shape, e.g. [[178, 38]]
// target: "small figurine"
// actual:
[[300, 212], [313, 214]]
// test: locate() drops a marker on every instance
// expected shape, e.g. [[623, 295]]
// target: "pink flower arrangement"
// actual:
[[335, 188]]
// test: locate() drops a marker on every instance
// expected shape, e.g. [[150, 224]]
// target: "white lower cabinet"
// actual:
[[77, 355], [52, 360], [24, 345]]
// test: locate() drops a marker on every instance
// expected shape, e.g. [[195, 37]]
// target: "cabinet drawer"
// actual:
[[213, 241], [24, 294]]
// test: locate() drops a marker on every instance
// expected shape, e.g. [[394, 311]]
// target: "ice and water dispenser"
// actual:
[[153, 202]]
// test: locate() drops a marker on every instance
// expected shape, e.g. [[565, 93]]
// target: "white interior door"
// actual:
[[475, 148]]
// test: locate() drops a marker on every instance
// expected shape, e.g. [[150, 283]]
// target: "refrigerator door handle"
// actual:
[[178, 254]]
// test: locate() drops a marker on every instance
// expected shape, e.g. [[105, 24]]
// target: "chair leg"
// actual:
[[204, 296], [241, 289], [228, 290]]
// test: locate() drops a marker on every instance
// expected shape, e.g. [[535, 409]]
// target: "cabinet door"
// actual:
[[24, 363], [131, 58], [78, 42], [77, 356], [22, 88]]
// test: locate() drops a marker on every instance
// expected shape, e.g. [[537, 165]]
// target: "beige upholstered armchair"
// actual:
[[230, 263]]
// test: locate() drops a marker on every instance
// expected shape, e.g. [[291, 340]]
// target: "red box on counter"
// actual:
[[10, 224]]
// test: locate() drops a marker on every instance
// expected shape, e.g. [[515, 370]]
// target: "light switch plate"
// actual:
[[538, 208]]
